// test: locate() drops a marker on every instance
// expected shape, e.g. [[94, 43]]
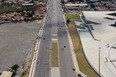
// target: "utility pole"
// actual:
[[99, 61]]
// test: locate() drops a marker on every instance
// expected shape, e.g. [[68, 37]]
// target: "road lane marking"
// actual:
[[54, 34]]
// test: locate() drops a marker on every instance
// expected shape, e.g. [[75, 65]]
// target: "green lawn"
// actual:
[[54, 55], [8, 9], [73, 17]]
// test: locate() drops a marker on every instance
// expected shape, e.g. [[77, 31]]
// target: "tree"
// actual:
[[29, 14], [62, 1], [15, 67], [72, 0], [68, 21], [92, 6], [19, 10], [3, 1], [22, 13]]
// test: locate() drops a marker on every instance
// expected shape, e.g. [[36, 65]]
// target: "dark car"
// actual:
[[79, 75], [43, 38], [73, 69]]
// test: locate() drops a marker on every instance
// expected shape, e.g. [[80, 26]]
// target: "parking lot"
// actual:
[[16, 43]]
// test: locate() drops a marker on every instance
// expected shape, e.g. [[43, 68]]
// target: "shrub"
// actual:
[[15, 67], [68, 21]]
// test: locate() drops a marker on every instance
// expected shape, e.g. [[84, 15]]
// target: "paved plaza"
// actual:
[[101, 38]]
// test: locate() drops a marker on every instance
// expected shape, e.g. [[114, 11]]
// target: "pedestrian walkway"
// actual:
[[106, 34], [55, 72]]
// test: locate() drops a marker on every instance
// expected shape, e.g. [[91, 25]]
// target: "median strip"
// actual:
[[54, 55], [54, 60]]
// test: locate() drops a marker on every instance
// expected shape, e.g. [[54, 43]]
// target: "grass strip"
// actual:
[[54, 55], [82, 62], [73, 17]]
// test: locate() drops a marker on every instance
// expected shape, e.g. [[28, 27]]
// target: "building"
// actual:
[[27, 4], [76, 7]]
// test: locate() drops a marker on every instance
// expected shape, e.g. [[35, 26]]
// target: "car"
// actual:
[[43, 38], [62, 49], [73, 69], [79, 75]]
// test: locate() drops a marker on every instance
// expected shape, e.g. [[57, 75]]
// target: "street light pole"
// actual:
[[99, 61]]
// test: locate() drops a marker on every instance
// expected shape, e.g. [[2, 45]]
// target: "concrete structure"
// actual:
[[74, 5], [100, 34], [27, 4]]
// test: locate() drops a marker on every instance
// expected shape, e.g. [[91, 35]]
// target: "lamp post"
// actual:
[[99, 61]]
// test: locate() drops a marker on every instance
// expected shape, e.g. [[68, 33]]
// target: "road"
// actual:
[[65, 59], [54, 25], [43, 59]]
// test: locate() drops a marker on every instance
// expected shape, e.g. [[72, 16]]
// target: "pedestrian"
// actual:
[[106, 60], [107, 45]]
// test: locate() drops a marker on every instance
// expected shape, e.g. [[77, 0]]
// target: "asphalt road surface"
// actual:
[[43, 59], [54, 20], [65, 59]]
